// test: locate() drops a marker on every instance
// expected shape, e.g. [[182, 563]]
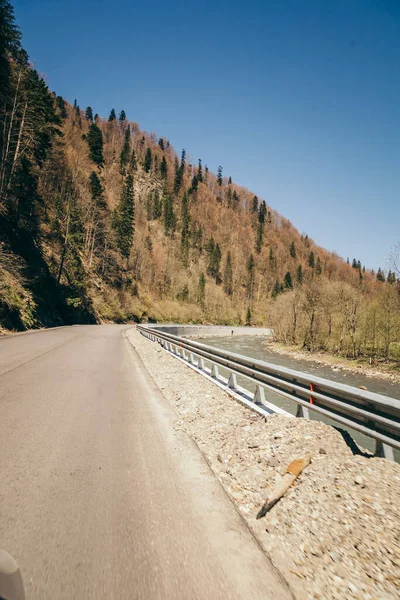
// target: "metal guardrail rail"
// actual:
[[372, 414]]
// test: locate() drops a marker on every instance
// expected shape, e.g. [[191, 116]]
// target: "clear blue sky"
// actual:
[[298, 100]]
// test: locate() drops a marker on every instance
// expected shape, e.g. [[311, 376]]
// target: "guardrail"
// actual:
[[374, 415]]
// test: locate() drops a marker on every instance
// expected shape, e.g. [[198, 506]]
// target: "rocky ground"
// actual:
[[380, 369], [336, 533]]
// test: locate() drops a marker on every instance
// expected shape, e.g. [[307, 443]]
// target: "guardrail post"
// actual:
[[191, 358], [214, 371], [184, 354], [384, 450], [302, 411], [232, 381], [259, 396], [201, 364]]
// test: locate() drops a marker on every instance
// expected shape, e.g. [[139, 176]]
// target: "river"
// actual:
[[256, 348]]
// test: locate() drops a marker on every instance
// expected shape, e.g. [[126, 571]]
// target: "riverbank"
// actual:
[[381, 370], [334, 535]]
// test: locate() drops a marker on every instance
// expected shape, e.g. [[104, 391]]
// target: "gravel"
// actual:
[[336, 532]]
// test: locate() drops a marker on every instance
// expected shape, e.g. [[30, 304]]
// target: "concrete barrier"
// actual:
[[210, 330]]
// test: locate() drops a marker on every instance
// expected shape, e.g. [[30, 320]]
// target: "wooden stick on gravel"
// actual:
[[292, 472]]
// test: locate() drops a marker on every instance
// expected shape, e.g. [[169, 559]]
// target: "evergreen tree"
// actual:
[[277, 289], [391, 277], [248, 317], [195, 184], [157, 205], [147, 161], [112, 116], [380, 275], [126, 150], [122, 116], [214, 259], [230, 180], [185, 233], [262, 212], [250, 277], [200, 171], [96, 190], [179, 170], [206, 174], [228, 275], [164, 168], [201, 289], [62, 108], [25, 192], [299, 275], [89, 114], [254, 205], [169, 215], [95, 140], [311, 260], [292, 250], [235, 200], [229, 196], [123, 221], [288, 281], [219, 175], [259, 237], [161, 144], [318, 266], [271, 258], [354, 264]]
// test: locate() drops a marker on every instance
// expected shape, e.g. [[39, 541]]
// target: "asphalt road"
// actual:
[[100, 497]]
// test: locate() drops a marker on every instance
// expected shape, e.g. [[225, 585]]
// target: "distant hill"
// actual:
[[101, 221]]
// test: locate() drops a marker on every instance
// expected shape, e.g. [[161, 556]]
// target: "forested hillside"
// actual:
[[101, 221]]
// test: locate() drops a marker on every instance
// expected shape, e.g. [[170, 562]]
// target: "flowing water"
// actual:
[[256, 348]]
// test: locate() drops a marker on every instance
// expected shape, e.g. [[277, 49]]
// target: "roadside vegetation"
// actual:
[[101, 221]]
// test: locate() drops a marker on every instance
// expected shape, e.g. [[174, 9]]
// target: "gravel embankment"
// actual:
[[336, 532]]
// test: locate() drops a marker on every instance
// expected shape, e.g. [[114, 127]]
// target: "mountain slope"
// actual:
[[100, 221]]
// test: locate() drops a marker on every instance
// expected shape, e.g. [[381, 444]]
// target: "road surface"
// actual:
[[100, 497]]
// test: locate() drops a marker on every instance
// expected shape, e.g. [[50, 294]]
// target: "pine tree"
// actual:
[[235, 200], [200, 171], [179, 170], [250, 277], [219, 176], [126, 150], [271, 258], [254, 205], [161, 144], [185, 233], [157, 205], [292, 250], [123, 221], [147, 161], [354, 264], [380, 275], [391, 277], [262, 212], [164, 168], [89, 114], [299, 275], [318, 266], [311, 260], [95, 140], [259, 237], [122, 116], [201, 289], [229, 197], [230, 180], [112, 116], [248, 317], [277, 289], [62, 108], [206, 175], [228, 275], [214, 259], [169, 215], [288, 281]]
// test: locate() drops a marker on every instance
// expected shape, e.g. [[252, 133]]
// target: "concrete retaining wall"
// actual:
[[210, 330]]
